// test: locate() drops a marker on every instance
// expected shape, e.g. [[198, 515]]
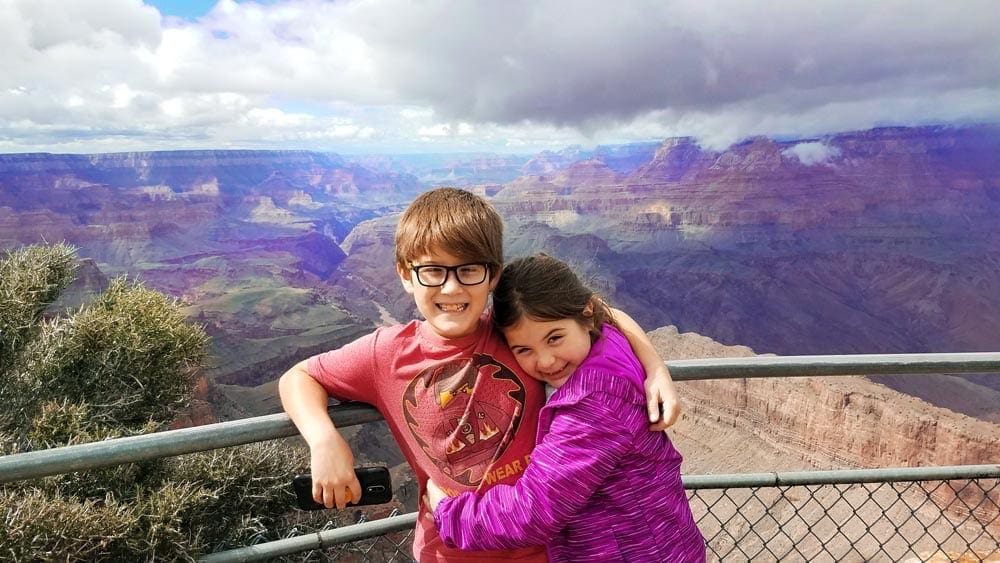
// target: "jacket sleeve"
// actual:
[[582, 448]]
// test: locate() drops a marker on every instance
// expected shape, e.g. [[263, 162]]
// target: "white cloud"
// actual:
[[452, 75], [275, 118], [121, 94], [812, 152], [446, 130], [173, 107], [416, 113]]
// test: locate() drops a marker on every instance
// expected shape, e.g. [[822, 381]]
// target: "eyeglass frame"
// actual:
[[448, 270]]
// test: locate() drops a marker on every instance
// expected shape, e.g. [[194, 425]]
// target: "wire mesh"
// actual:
[[895, 521], [907, 521]]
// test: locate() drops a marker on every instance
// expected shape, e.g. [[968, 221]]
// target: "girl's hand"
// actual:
[[433, 496], [662, 402]]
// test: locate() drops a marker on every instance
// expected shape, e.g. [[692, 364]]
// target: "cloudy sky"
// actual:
[[357, 76]]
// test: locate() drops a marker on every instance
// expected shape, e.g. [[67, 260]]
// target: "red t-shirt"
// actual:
[[461, 410]]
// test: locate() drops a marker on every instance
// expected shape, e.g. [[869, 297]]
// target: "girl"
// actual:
[[600, 485]]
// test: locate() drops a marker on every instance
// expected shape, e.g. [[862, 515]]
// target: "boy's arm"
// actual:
[[331, 460], [660, 390]]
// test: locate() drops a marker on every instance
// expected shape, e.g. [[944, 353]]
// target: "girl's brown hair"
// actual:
[[544, 288]]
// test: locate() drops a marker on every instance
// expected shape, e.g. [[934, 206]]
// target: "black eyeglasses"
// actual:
[[432, 275]]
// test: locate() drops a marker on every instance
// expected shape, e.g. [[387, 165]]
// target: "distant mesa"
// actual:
[[879, 241]]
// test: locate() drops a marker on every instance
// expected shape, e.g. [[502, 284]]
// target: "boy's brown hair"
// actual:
[[451, 220]]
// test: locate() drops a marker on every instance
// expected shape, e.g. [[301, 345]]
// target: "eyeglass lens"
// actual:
[[467, 274]]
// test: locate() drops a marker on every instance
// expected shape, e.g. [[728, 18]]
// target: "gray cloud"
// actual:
[[518, 73], [574, 62]]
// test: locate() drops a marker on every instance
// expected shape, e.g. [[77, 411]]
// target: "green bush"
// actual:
[[121, 365], [30, 279], [41, 525], [131, 352]]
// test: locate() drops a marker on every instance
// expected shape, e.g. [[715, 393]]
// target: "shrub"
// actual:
[[30, 279], [123, 364], [130, 354], [42, 525]]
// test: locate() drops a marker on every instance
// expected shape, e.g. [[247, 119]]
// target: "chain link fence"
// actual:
[[955, 520], [908, 521]]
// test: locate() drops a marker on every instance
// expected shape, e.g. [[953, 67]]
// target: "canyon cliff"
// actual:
[[247, 238], [819, 423], [747, 425], [880, 241]]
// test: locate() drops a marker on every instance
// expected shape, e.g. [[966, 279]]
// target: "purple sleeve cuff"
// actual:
[[444, 519]]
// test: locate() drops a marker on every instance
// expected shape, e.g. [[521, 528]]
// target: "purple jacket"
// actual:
[[600, 485]]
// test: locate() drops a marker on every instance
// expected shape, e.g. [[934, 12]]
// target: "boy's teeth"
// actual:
[[452, 308]]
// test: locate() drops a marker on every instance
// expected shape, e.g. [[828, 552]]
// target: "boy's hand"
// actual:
[[331, 460], [662, 402], [433, 496], [334, 481]]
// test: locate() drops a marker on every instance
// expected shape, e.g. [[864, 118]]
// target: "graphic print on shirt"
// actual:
[[464, 413]]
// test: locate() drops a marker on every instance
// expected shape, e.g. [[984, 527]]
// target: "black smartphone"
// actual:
[[376, 488]]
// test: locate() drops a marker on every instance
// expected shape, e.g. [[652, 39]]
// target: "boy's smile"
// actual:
[[453, 309]]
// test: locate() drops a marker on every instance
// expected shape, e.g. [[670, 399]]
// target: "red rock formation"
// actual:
[[874, 241], [200, 412], [845, 421], [867, 242]]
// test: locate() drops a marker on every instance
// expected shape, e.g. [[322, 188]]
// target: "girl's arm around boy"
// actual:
[[585, 444], [660, 390]]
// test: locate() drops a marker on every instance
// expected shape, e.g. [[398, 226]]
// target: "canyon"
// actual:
[[879, 241]]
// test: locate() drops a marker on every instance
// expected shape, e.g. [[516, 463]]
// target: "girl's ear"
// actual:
[[591, 322]]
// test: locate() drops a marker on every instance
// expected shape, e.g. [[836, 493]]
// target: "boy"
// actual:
[[456, 401]]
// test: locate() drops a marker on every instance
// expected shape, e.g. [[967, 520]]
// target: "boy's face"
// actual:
[[452, 310]]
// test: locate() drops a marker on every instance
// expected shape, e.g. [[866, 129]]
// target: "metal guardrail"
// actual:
[[735, 535], [813, 366], [95, 455], [81, 457], [327, 539], [889, 514]]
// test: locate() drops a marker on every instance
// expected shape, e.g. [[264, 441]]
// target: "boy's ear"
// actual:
[[494, 280], [405, 276]]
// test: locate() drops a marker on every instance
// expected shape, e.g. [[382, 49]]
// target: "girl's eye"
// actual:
[[521, 351], [555, 339]]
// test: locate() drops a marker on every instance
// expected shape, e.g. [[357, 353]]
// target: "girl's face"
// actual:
[[549, 351]]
